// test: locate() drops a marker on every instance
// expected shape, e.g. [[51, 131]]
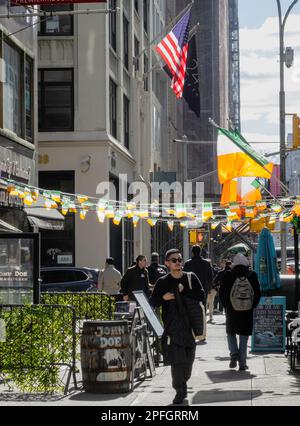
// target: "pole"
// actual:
[[186, 251], [297, 279], [282, 23]]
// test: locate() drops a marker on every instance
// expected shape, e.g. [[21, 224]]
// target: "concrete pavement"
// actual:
[[268, 382]]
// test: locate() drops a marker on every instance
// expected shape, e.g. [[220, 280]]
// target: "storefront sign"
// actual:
[[15, 166], [64, 259], [30, 2], [269, 325]]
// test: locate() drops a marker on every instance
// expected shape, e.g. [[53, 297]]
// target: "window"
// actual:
[[113, 108], [136, 53], [55, 243], [126, 41], [28, 98], [56, 100], [12, 95], [57, 25], [80, 276], [136, 6], [113, 25], [146, 71], [126, 121], [61, 276], [146, 15]]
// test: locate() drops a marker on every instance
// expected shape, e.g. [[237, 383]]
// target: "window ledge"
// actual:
[[13, 137], [57, 37]]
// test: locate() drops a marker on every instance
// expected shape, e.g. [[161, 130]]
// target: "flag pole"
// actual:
[[167, 28], [158, 66], [287, 191]]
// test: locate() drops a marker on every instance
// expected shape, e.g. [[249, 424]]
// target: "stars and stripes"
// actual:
[[174, 51]]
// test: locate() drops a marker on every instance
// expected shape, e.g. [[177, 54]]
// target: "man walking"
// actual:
[[109, 278], [135, 278], [178, 340], [227, 266], [240, 294], [156, 270], [203, 270]]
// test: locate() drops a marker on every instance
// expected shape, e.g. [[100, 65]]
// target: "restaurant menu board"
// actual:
[[149, 313], [16, 271], [269, 330]]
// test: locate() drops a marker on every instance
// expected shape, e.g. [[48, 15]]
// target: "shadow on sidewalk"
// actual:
[[11, 396], [219, 395], [229, 376]]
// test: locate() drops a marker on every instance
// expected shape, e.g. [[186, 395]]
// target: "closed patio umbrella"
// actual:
[[266, 262]]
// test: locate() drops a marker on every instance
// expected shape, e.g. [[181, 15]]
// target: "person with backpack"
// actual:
[[240, 294]]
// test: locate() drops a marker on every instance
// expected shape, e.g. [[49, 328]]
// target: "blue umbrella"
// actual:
[[266, 262]]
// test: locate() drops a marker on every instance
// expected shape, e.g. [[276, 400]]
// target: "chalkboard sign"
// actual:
[[151, 317], [269, 330]]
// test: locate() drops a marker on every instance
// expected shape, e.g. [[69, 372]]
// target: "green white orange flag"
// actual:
[[236, 158], [245, 190]]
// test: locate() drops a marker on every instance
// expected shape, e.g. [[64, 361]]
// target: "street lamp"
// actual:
[[285, 58]]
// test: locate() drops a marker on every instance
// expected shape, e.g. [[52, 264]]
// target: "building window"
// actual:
[[146, 71], [126, 42], [136, 6], [55, 243], [146, 15], [126, 121], [56, 100], [113, 108], [57, 25], [113, 25], [136, 53], [28, 98], [12, 96]]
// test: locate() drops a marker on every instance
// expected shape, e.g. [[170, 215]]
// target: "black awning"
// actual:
[[44, 223]]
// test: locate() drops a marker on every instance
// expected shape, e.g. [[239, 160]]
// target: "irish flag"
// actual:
[[236, 158], [245, 190]]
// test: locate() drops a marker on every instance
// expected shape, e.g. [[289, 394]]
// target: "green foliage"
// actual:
[[92, 306], [296, 222], [38, 340]]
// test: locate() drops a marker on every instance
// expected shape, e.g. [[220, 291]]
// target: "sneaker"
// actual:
[[179, 397], [234, 361], [244, 367]]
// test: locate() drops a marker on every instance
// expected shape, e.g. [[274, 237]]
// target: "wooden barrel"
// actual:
[[106, 357]]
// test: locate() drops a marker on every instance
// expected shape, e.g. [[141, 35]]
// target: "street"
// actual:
[[267, 383]]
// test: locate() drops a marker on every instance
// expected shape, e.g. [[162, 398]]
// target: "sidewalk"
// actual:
[[267, 382]]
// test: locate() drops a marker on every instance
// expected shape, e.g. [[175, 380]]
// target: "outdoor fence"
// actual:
[[87, 306], [38, 347]]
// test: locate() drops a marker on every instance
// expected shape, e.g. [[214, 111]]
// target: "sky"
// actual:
[[259, 53]]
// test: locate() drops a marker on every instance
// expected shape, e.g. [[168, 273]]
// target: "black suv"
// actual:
[[63, 279]]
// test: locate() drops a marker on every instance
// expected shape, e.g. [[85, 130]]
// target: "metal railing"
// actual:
[[38, 341]]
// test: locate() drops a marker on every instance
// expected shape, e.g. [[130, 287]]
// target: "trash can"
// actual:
[[106, 357]]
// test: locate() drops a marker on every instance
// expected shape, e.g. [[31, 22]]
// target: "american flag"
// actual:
[[174, 51]]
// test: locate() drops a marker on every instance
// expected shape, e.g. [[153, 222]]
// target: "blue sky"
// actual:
[[253, 13], [259, 55]]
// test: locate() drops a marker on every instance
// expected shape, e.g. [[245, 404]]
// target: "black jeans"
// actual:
[[181, 372]]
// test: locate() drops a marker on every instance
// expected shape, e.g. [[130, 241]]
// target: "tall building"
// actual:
[[18, 112], [218, 71], [103, 112]]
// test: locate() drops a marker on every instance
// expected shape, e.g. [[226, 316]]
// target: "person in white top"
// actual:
[[109, 278]]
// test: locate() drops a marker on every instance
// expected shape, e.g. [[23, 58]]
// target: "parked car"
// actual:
[[63, 279]]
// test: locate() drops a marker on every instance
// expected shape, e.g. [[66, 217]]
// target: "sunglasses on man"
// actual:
[[175, 260]]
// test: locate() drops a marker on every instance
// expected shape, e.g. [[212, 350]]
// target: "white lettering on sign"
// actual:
[[115, 342]]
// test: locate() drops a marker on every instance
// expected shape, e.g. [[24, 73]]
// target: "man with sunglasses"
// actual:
[[178, 341]]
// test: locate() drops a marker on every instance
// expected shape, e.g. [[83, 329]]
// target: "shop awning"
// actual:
[[39, 216], [6, 227]]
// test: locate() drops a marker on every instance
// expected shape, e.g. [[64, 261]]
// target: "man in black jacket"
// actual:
[[178, 340], [136, 278], [156, 270], [201, 268]]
